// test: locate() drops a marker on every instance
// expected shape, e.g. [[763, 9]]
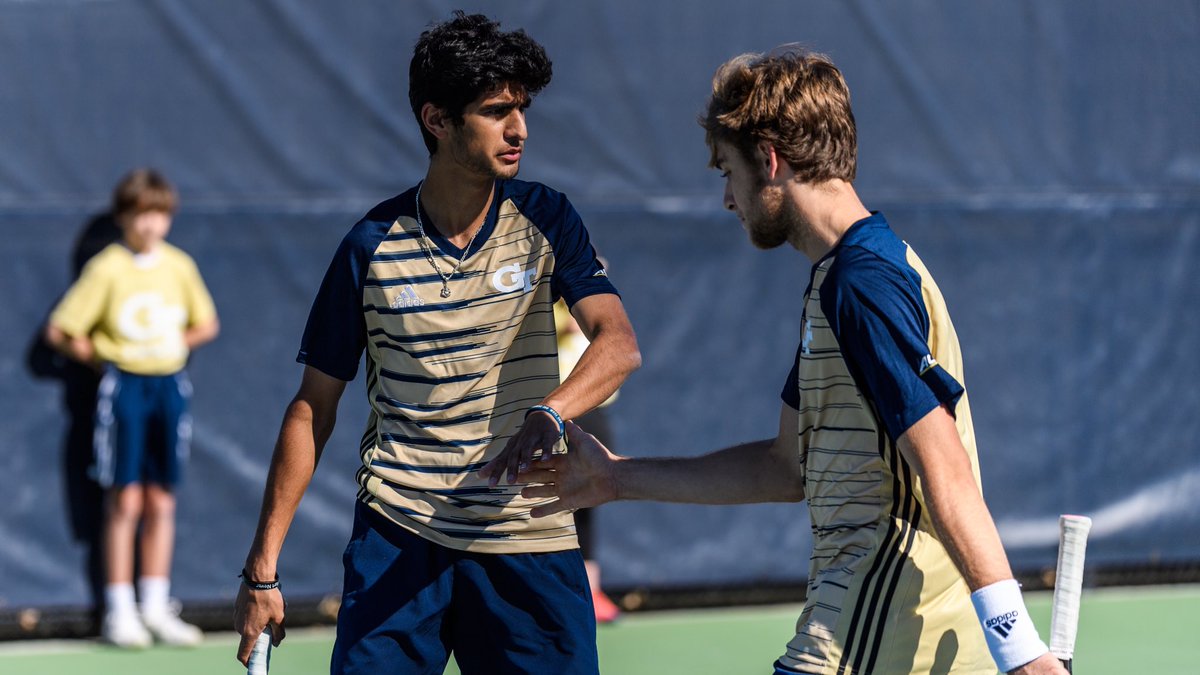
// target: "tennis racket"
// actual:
[[1068, 585], [260, 657]]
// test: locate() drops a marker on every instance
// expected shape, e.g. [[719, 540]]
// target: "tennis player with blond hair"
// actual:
[[908, 574]]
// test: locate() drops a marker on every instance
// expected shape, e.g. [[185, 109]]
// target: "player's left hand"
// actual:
[[539, 431], [1046, 664]]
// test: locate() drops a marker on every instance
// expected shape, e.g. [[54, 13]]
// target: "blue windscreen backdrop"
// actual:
[[1042, 157]]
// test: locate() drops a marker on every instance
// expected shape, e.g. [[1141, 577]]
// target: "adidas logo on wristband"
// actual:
[[1002, 624], [1011, 636]]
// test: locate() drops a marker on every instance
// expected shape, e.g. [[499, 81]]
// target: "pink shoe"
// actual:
[[606, 610]]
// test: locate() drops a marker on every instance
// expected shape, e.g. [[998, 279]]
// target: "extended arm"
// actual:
[[589, 474], [961, 517], [609, 358], [307, 424]]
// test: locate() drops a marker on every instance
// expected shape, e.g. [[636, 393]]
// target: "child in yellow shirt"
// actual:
[[136, 312]]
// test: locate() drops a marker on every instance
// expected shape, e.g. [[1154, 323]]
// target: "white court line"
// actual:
[[629, 619], [214, 639]]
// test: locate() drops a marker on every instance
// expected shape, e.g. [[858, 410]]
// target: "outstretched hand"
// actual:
[[539, 431], [581, 478]]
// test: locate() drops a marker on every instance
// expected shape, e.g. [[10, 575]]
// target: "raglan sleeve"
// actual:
[[882, 327], [578, 271], [791, 387], [335, 335]]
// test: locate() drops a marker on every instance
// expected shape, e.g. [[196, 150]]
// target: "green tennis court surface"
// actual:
[[1135, 630]]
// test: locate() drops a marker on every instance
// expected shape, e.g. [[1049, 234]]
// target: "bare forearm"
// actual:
[[78, 349], [301, 440], [601, 370], [965, 527], [960, 516], [742, 474], [202, 334]]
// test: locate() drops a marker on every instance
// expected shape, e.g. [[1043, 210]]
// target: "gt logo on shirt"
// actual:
[[153, 326], [511, 278], [807, 339], [145, 317]]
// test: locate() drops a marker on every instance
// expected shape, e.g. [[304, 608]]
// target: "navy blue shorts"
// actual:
[[143, 430], [408, 603]]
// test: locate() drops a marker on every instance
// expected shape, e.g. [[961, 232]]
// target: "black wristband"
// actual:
[[258, 585], [558, 420]]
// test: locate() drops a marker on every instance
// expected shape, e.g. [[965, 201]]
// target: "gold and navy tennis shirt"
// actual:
[[449, 379], [877, 353]]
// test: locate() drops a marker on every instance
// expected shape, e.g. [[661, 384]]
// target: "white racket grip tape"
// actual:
[[1068, 584], [260, 657]]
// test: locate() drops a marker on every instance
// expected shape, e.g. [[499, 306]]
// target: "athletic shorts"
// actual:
[[143, 430], [408, 604]]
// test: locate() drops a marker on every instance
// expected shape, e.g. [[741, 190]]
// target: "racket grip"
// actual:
[[1066, 663], [260, 657]]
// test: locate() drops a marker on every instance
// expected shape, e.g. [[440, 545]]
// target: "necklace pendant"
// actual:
[[445, 291]]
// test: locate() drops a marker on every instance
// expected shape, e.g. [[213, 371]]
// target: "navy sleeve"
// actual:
[[879, 318], [577, 271], [791, 388], [336, 334]]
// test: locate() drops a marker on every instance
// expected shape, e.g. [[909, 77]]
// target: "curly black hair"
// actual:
[[457, 61]]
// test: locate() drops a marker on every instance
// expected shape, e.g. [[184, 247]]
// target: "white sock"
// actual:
[[154, 593], [118, 599]]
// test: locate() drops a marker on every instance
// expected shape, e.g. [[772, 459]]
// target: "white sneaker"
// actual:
[[125, 630], [166, 627]]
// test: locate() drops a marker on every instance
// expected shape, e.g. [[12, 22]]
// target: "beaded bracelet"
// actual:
[[562, 428], [258, 585]]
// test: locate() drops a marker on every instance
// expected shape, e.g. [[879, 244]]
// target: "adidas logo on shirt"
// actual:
[[408, 298]]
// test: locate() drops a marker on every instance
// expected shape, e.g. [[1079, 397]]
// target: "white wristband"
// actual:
[[1011, 635]]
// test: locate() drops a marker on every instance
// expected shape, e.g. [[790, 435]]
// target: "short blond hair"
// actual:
[[792, 98]]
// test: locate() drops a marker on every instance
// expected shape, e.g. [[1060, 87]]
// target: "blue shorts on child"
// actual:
[[143, 429], [408, 603]]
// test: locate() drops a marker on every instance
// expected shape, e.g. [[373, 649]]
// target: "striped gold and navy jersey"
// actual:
[[877, 353], [449, 378]]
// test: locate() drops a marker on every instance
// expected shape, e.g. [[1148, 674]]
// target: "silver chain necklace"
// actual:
[[428, 248]]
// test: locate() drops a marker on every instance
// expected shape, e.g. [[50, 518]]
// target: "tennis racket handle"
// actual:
[[1066, 664], [260, 656], [1068, 586]]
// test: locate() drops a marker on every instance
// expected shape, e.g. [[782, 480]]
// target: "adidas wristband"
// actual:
[[1011, 635]]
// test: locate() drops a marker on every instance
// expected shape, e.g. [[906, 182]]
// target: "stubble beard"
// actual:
[[769, 227], [483, 165]]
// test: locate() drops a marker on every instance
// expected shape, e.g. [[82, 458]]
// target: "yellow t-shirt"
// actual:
[[135, 308]]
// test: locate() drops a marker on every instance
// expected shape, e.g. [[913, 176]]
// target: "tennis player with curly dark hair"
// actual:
[[449, 289]]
